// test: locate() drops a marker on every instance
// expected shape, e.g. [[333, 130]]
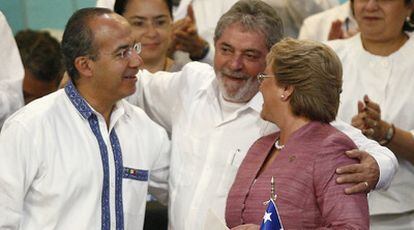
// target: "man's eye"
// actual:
[[225, 50], [121, 53]]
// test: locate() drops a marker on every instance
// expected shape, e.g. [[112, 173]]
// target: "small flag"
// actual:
[[271, 219]]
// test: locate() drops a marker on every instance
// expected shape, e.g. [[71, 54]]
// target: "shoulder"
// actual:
[[198, 68], [40, 110], [327, 139]]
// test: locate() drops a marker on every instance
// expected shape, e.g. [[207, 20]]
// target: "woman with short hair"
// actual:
[[300, 87]]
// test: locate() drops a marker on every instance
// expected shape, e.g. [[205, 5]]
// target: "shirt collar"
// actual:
[[85, 109]]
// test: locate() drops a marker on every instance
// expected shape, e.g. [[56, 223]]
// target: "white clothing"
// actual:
[[11, 98], [293, 12], [318, 26], [58, 158], [388, 81], [106, 4], [208, 148], [11, 64]]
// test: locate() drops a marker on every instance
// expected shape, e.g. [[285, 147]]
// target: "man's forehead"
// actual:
[[113, 30], [241, 37]]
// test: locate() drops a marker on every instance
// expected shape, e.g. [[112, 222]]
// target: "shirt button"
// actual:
[[112, 185]]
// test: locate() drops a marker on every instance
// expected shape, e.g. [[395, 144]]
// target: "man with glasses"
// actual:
[[213, 114], [83, 158]]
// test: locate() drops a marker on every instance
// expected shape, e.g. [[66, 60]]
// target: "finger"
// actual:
[[348, 169], [361, 106], [336, 30], [350, 178], [369, 132], [373, 113], [179, 24], [190, 13], [358, 188], [371, 104], [372, 123], [358, 122]]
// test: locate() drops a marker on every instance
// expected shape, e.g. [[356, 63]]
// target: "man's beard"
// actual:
[[238, 93]]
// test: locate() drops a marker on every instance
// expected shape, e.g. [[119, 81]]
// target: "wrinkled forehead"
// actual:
[[239, 35]]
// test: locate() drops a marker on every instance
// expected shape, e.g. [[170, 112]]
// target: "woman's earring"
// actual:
[[282, 96], [409, 21]]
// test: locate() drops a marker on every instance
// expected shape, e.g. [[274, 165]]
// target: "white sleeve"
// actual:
[[159, 94], [18, 169], [305, 31], [158, 181], [386, 160], [12, 66]]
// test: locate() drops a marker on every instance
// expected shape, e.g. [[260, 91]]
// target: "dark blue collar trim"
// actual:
[[77, 100]]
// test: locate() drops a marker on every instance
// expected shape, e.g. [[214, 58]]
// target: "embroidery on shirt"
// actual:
[[80, 104], [136, 174]]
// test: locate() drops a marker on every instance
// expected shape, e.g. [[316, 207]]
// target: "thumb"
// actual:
[[190, 12]]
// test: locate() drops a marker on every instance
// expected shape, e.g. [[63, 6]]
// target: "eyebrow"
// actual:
[[146, 18]]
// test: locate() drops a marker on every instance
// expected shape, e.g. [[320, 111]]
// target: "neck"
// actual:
[[288, 125], [157, 65], [101, 104], [384, 47]]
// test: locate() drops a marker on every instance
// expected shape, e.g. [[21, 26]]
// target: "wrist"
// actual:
[[201, 52], [389, 134]]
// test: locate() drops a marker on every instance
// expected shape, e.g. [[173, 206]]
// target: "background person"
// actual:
[[151, 22], [378, 62], [43, 70]]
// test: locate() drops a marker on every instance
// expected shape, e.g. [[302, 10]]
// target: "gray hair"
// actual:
[[254, 15], [78, 39]]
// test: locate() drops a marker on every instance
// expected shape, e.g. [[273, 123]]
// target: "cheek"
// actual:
[[253, 69], [137, 33]]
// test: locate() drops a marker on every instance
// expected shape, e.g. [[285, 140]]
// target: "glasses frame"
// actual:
[[126, 53], [261, 76]]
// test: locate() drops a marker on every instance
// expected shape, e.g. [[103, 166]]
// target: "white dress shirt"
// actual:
[[61, 167], [11, 65], [208, 148], [388, 81], [318, 26], [11, 98]]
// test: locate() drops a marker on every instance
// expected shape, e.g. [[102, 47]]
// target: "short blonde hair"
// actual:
[[315, 72]]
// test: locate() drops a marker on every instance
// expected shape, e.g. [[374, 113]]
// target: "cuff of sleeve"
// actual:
[[388, 166]]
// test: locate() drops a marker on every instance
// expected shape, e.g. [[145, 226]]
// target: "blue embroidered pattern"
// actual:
[[83, 108], [116, 148]]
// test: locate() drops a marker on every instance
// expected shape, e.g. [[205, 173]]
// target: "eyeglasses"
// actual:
[[127, 52], [261, 77]]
